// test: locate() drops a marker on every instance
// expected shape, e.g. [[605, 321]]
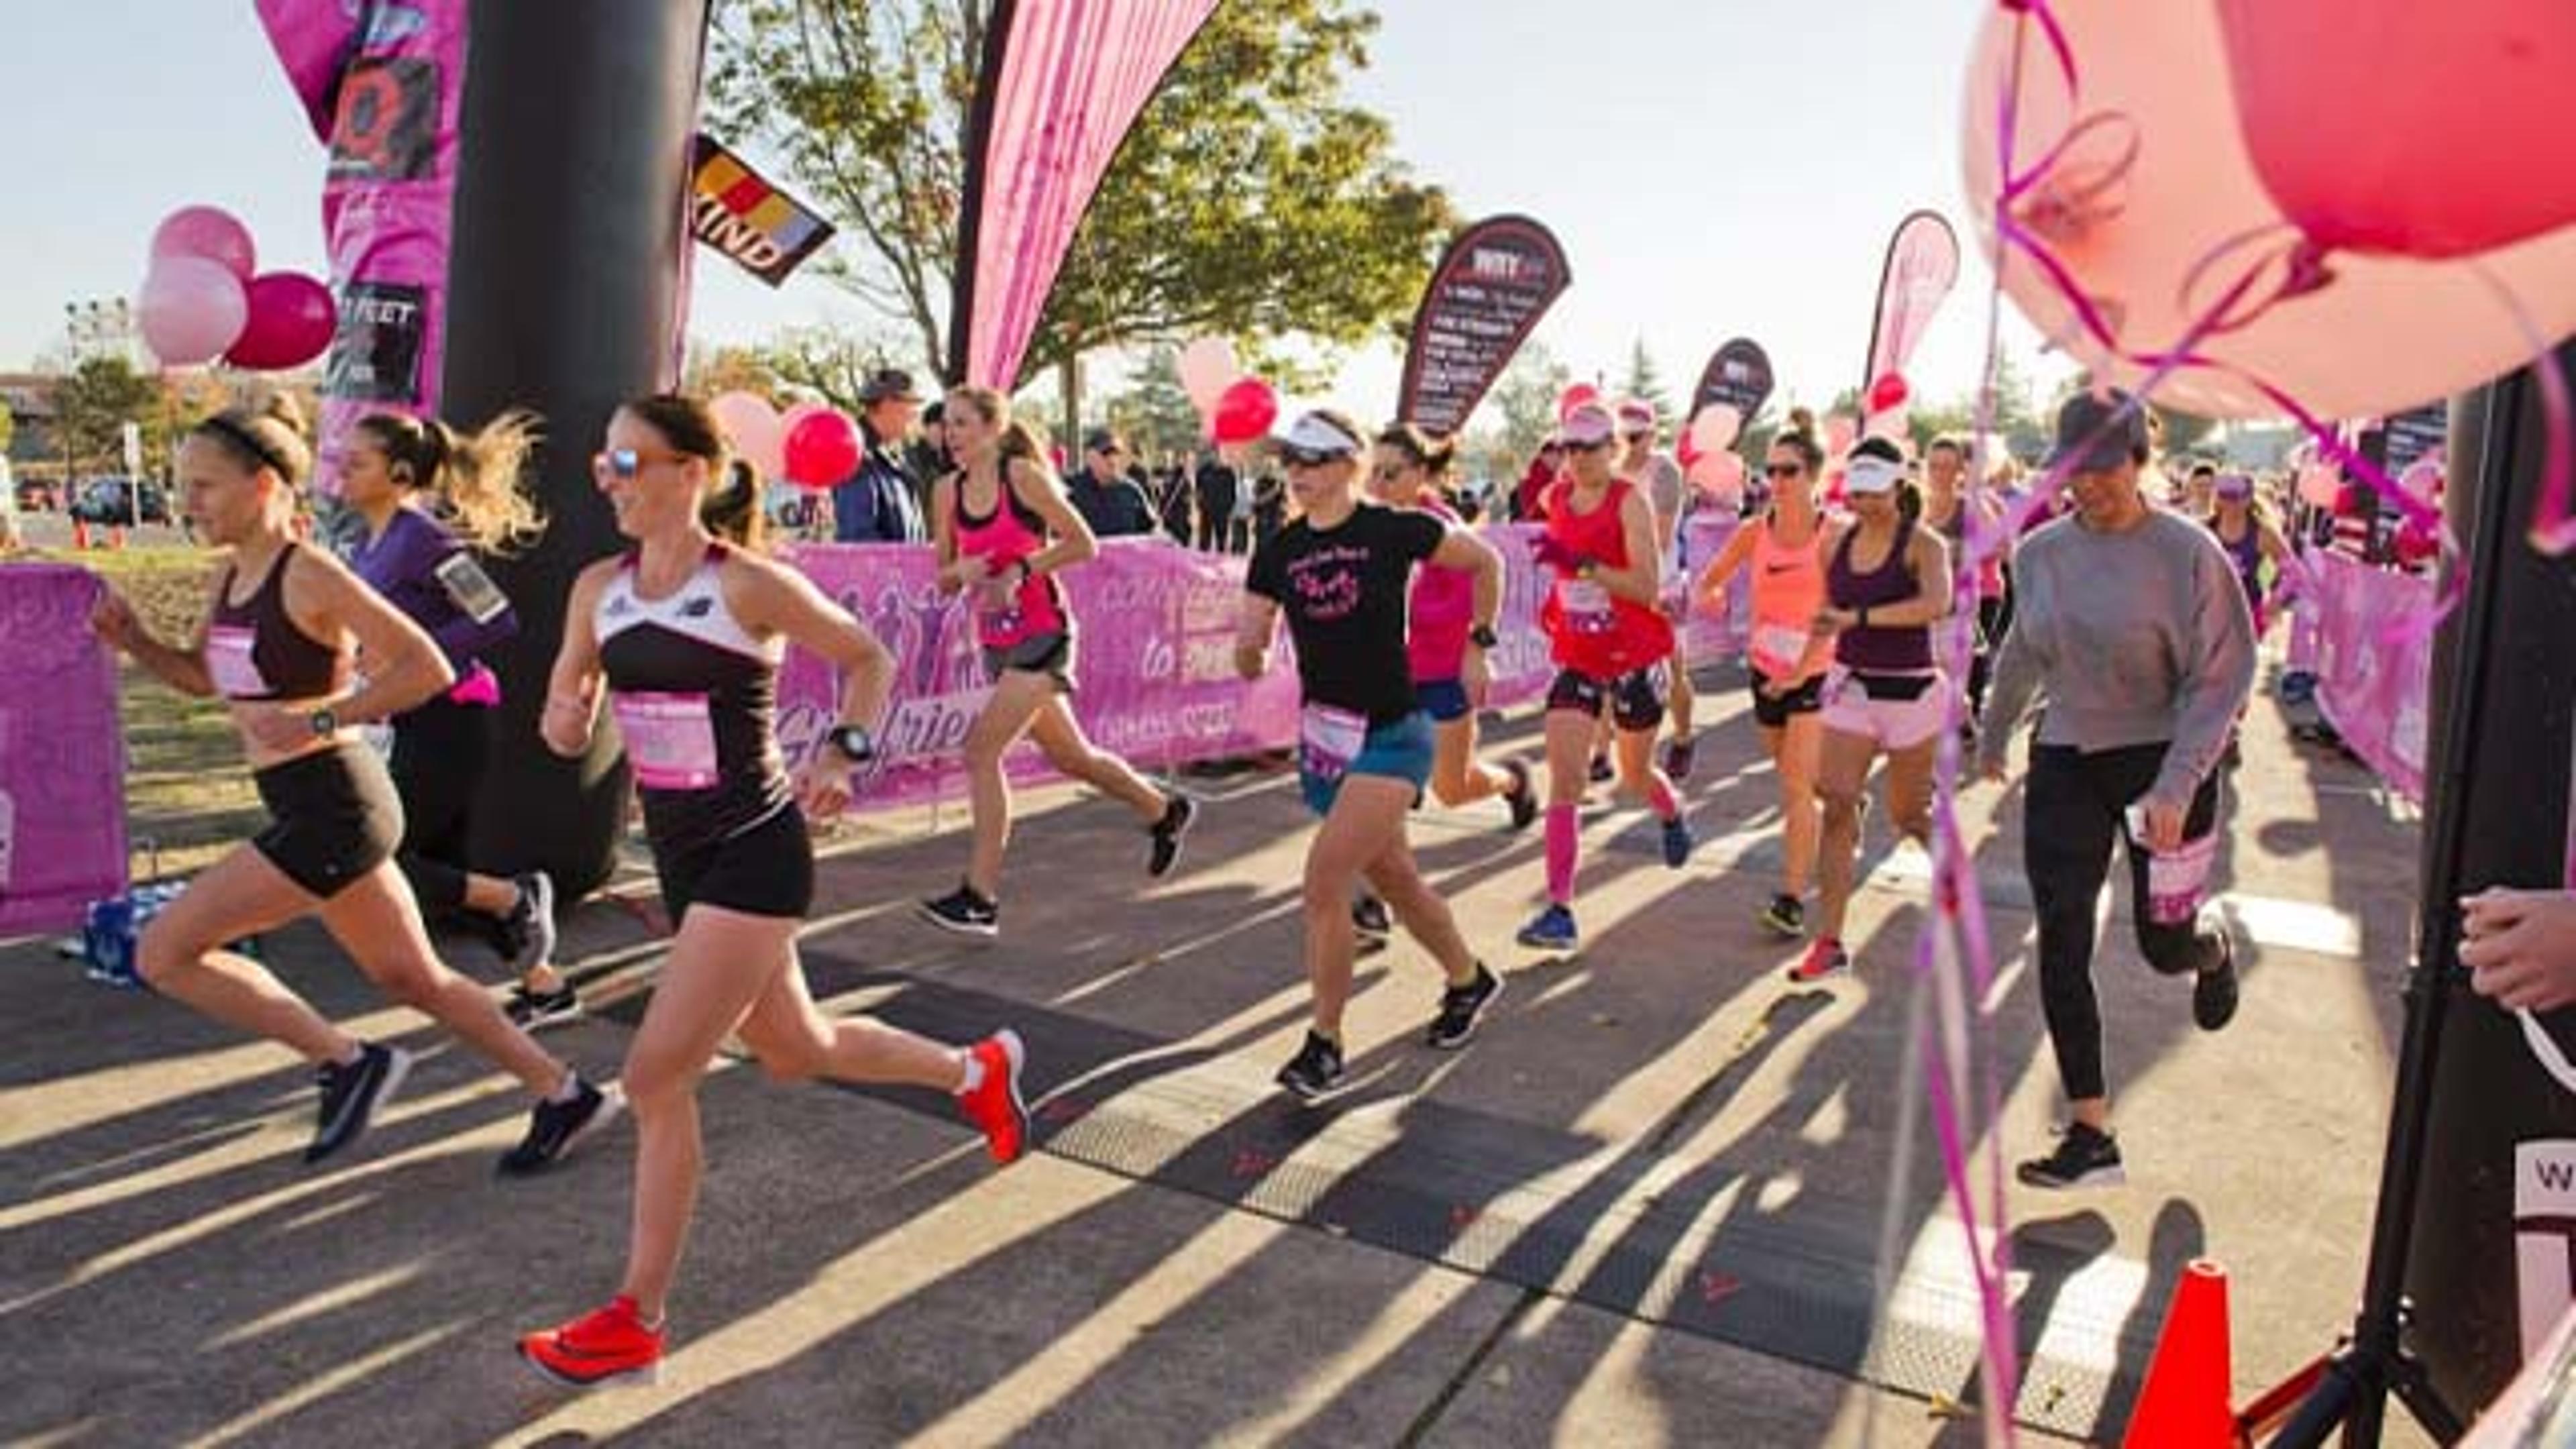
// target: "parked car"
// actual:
[[113, 500]]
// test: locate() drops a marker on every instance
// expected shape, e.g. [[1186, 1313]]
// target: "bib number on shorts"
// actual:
[[229, 664], [1328, 739], [1587, 606], [670, 740]]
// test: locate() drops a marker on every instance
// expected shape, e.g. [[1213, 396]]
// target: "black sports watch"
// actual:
[[853, 741], [325, 722], [1482, 636]]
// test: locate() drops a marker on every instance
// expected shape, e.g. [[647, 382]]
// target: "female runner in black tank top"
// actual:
[[686, 631], [276, 644]]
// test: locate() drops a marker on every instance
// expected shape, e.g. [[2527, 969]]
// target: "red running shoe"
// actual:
[[1825, 960], [609, 1346], [995, 1105]]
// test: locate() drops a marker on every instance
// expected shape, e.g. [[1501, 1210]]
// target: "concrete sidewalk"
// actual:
[[1644, 1207]]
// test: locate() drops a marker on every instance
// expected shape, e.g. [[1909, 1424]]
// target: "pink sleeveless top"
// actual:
[[1010, 533], [1442, 612], [1788, 592]]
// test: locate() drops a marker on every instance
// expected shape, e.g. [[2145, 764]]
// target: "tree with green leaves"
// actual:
[[1250, 200], [92, 407], [1643, 381], [8, 429], [1155, 412], [1526, 396]]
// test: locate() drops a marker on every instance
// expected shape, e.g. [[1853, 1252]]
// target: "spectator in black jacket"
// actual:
[[1217, 485], [1108, 501], [879, 502]]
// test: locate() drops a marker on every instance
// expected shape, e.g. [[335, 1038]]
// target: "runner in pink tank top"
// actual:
[[1003, 529]]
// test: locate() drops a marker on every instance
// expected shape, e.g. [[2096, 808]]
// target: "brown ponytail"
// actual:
[[732, 509], [475, 477], [269, 435]]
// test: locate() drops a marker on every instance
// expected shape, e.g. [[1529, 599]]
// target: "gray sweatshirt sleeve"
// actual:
[[2216, 680], [2010, 689]]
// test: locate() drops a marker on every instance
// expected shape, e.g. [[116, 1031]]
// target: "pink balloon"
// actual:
[[755, 429], [291, 321], [190, 310], [822, 449], [2160, 179], [1720, 475], [209, 232], [1244, 411], [2467, 96], [1207, 368], [1840, 430], [1575, 397], [2320, 484], [1715, 427]]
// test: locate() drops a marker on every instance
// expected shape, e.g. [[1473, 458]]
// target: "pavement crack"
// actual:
[[1430, 1416]]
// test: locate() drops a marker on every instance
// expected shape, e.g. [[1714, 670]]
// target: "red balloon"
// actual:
[[2443, 115], [291, 322], [1244, 411], [1888, 393], [822, 449]]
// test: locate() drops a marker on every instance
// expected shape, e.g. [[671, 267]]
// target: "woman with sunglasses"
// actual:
[[1610, 639], [1004, 530], [686, 630], [1887, 582], [1340, 573], [427, 494], [282, 626], [1785, 550]]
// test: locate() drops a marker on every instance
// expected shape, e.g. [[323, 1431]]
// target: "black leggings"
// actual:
[[2076, 807], [1994, 616], [440, 750]]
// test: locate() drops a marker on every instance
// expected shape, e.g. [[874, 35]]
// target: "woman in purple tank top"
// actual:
[[1887, 583], [2245, 530]]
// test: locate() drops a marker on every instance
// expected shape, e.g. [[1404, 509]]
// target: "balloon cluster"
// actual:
[[1236, 407], [204, 298], [810, 445]]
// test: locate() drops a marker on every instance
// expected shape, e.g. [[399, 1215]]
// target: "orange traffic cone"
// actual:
[[2183, 1404], [80, 535]]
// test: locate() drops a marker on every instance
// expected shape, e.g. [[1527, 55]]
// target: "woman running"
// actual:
[[1340, 573], [1946, 510], [2245, 530], [276, 644], [687, 629], [1785, 549], [2130, 627], [1887, 583], [1004, 530], [1660, 476], [1610, 639], [426, 493]]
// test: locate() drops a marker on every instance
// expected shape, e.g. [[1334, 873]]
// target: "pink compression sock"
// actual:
[[1659, 794], [1560, 853]]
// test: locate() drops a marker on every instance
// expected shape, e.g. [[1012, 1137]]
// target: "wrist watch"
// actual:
[[325, 722], [1482, 636], [853, 741]]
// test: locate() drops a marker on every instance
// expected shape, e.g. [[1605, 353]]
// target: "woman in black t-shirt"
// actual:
[[1341, 573]]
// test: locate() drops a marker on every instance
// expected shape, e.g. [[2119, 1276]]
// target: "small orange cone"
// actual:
[[80, 535], [2183, 1404]]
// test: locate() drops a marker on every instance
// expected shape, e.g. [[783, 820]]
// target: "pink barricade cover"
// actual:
[[1156, 627], [62, 752], [2374, 689]]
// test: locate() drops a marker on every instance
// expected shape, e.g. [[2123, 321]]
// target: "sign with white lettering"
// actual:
[[1491, 287]]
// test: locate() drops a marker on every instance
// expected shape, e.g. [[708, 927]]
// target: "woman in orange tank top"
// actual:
[[1785, 550]]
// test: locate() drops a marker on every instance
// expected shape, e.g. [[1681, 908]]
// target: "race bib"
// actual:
[[670, 740], [1778, 649], [1328, 739], [470, 589], [229, 664], [1586, 605]]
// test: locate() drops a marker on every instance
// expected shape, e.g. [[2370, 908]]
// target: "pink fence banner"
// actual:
[[1075, 75], [2374, 690], [1155, 659], [62, 753]]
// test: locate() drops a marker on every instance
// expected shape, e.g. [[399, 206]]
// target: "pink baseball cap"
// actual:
[[1586, 425], [1636, 415]]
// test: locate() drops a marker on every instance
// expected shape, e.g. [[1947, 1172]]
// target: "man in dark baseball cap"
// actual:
[[881, 501], [1103, 494]]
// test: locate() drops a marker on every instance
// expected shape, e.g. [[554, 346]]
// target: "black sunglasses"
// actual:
[[1783, 470], [1308, 457], [1592, 447]]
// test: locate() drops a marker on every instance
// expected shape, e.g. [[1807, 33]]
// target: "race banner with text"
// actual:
[[733, 209], [1155, 660], [2374, 691], [1492, 285], [62, 752]]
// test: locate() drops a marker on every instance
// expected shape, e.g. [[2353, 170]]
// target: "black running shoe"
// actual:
[[1370, 917], [1522, 798], [1679, 756], [1601, 770], [2213, 992], [964, 912], [351, 1095], [1787, 915], [555, 1128], [1316, 1071], [1460, 1006], [537, 1010], [529, 929], [1178, 812], [2085, 1157]]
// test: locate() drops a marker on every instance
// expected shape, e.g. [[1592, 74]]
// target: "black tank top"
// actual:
[[254, 650], [1905, 649], [696, 697]]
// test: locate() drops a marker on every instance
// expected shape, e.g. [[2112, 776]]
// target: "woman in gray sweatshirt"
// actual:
[[2132, 631]]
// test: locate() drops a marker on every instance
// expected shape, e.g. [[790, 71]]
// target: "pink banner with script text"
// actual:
[[62, 752]]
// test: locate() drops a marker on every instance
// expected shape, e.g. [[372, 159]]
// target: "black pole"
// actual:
[[564, 296], [2439, 1322], [970, 199]]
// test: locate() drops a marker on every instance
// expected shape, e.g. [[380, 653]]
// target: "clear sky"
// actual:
[[1713, 167]]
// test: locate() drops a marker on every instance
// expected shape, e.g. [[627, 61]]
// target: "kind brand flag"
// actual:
[[1492, 285], [737, 212]]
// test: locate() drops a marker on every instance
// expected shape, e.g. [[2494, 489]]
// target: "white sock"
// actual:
[[974, 1073]]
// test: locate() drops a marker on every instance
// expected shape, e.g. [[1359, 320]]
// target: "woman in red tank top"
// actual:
[[1610, 640], [277, 645], [1004, 530]]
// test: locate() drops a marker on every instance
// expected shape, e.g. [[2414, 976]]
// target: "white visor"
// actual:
[[1315, 433], [1871, 475]]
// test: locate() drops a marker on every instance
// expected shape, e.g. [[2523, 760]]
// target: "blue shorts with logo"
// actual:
[[1398, 750], [1442, 699]]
